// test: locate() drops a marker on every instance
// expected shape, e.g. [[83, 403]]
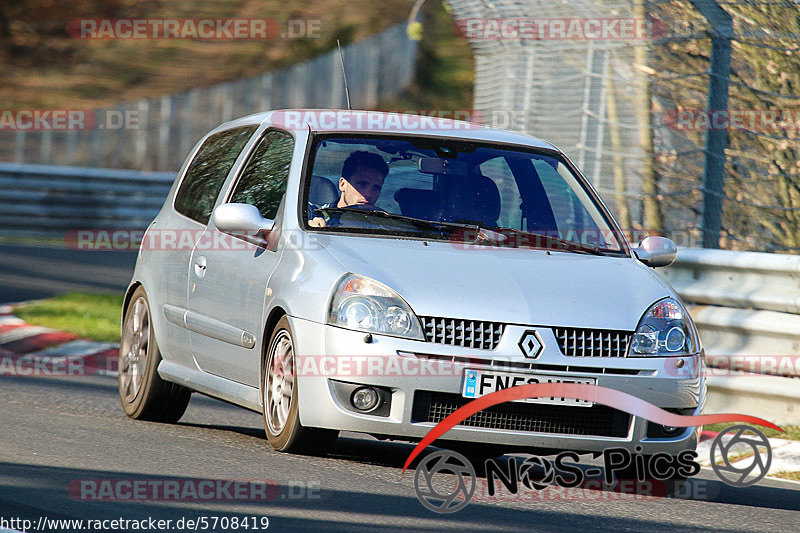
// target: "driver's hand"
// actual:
[[317, 222]]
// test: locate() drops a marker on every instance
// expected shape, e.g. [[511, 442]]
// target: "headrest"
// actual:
[[322, 191], [475, 199], [420, 203]]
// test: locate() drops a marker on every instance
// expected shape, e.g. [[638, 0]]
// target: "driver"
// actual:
[[360, 184]]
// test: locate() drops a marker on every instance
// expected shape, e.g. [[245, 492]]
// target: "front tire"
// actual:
[[142, 392], [279, 395]]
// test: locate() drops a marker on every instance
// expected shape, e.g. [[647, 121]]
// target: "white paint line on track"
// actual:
[[10, 320], [76, 348], [23, 333]]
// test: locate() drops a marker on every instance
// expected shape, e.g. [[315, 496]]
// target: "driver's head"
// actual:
[[362, 179]]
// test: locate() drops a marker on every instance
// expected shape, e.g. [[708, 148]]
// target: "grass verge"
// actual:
[[791, 432], [93, 316], [794, 476]]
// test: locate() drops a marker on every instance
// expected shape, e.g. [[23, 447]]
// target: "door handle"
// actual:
[[200, 266]]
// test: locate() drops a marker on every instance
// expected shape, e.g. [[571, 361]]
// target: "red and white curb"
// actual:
[[29, 351]]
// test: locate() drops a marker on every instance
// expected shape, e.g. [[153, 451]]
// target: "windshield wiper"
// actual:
[[434, 224], [547, 242], [535, 240], [572, 246]]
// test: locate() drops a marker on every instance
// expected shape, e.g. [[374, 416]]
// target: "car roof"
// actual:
[[351, 121]]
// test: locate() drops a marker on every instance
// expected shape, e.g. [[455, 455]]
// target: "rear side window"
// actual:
[[263, 182], [206, 174]]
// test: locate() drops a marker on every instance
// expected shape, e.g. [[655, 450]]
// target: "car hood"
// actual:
[[521, 286]]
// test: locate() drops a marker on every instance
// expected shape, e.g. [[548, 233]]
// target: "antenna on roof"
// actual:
[[344, 75]]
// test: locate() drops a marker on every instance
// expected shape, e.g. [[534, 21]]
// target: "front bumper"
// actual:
[[404, 367]]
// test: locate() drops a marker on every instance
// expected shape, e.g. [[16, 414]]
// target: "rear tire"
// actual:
[[279, 401], [142, 392]]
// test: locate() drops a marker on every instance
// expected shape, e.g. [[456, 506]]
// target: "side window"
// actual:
[[263, 181], [207, 172]]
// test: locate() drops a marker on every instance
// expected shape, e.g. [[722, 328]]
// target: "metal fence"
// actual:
[[45, 200], [617, 107], [157, 133]]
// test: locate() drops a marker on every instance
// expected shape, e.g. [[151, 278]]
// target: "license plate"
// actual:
[[479, 383]]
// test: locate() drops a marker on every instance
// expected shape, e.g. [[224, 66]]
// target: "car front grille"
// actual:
[[578, 342], [598, 420], [466, 333]]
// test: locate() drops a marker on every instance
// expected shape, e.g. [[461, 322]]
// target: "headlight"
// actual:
[[364, 304], [665, 330]]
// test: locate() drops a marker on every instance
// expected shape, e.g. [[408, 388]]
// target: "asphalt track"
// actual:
[[57, 431], [29, 272]]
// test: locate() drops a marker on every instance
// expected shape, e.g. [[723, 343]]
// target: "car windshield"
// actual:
[[488, 194]]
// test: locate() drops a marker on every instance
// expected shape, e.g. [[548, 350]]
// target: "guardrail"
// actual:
[[744, 303], [746, 306], [51, 200]]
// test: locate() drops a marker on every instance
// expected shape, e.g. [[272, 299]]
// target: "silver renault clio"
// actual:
[[372, 272]]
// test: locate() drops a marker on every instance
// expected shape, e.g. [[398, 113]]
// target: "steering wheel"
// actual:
[[366, 207]]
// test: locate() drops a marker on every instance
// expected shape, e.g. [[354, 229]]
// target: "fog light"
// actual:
[[671, 430], [365, 399]]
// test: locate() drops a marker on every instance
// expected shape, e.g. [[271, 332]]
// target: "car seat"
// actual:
[[420, 203], [472, 199]]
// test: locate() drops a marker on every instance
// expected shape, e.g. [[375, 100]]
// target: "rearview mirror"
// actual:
[[240, 218], [445, 167], [656, 251]]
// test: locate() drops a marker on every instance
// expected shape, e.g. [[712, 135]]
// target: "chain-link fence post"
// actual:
[[716, 138]]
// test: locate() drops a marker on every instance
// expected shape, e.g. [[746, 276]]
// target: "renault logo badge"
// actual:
[[531, 344]]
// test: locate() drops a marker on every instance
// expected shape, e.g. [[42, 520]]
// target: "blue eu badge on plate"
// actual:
[[470, 382]]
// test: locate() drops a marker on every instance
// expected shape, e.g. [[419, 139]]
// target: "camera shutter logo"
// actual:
[[752, 466], [537, 473], [445, 462]]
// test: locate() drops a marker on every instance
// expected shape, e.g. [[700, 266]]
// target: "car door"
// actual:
[[229, 280], [168, 246]]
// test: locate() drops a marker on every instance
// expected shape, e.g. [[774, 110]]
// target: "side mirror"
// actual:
[[656, 251], [240, 218]]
